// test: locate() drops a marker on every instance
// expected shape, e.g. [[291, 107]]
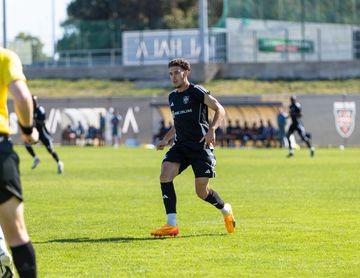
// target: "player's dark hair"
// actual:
[[180, 62]]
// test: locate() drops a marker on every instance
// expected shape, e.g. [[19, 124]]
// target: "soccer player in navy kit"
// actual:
[[296, 125], [194, 139], [44, 136]]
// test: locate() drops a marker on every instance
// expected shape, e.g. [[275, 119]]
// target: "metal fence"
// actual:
[[86, 57], [274, 44], [325, 11], [258, 47], [280, 41]]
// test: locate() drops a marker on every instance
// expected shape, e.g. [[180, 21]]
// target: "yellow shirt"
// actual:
[[10, 69]]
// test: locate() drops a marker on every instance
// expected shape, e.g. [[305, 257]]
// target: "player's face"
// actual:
[[178, 76]]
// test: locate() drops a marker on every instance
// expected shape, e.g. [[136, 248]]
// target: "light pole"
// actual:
[[53, 28], [4, 24], [302, 29], [204, 31]]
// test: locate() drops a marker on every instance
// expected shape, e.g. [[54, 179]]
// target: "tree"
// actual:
[[36, 45], [99, 23]]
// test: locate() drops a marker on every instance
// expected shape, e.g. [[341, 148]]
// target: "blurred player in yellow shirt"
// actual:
[[12, 221]]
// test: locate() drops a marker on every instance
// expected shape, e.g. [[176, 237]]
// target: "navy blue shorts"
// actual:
[[203, 162]]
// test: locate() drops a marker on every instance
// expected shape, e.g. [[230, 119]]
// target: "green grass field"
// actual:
[[297, 217]]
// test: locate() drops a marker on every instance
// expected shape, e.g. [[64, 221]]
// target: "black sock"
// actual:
[[169, 196], [214, 199], [53, 153], [55, 156], [30, 150], [24, 260]]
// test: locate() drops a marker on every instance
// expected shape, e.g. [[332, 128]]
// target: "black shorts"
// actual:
[[299, 128], [203, 162], [10, 184]]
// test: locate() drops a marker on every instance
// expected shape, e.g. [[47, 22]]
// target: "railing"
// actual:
[[86, 57], [276, 45]]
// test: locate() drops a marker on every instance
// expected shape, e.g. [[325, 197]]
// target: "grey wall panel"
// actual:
[[319, 119], [318, 115]]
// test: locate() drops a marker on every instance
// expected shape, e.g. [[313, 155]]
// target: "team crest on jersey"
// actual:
[[344, 113], [186, 99]]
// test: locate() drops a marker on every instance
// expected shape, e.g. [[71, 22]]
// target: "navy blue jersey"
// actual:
[[295, 112], [190, 115], [39, 117]]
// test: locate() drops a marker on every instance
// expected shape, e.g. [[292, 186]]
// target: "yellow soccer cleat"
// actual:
[[166, 230], [229, 220]]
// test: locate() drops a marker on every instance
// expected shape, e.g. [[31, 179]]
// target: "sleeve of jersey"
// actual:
[[14, 70], [200, 92]]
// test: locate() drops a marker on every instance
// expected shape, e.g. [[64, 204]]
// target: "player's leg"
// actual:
[[13, 224], [31, 151], [47, 140], [288, 134], [301, 131], [211, 196], [169, 170], [12, 212], [203, 164], [205, 193]]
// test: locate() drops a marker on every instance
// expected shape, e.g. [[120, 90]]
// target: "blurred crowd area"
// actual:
[[261, 134], [107, 133]]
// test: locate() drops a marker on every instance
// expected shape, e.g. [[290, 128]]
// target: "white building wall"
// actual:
[[332, 42]]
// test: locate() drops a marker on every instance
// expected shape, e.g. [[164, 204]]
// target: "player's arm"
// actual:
[[168, 136], [23, 105], [212, 103]]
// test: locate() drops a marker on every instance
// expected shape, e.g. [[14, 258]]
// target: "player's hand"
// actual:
[[209, 138], [161, 145], [30, 138]]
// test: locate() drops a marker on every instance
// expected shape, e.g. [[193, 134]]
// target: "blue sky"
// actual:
[[34, 17]]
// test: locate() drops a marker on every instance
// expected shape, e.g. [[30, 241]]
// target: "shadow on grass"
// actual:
[[120, 239]]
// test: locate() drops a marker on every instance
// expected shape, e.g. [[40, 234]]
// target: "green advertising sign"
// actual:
[[285, 45]]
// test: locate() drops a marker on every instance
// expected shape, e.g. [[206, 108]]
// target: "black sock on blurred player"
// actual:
[[169, 196], [214, 199], [24, 260], [53, 153], [30, 150]]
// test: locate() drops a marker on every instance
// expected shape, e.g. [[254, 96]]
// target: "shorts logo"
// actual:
[[207, 171], [186, 99], [344, 113]]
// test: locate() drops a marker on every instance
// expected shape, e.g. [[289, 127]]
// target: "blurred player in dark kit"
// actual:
[[44, 136], [296, 125]]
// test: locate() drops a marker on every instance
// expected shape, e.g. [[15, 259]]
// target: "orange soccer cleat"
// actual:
[[166, 230], [229, 220]]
